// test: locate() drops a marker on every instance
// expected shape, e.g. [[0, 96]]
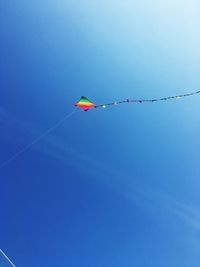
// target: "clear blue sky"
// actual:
[[115, 187]]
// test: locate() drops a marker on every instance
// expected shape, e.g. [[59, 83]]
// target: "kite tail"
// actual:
[[147, 100]]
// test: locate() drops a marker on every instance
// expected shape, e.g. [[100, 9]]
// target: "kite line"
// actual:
[[48, 131], [85, 104], [7, 259]]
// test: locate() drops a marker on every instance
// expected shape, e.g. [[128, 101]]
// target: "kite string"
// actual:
[[23, 150], [6, 257]]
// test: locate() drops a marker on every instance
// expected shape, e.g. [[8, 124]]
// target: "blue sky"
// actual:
[[110, 187]]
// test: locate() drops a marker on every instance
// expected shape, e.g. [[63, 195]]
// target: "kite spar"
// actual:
[[85, 104]]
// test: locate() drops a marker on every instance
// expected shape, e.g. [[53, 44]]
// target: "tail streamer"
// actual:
[[148, 100]]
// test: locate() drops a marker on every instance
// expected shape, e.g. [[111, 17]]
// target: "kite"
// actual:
[[85, 104]]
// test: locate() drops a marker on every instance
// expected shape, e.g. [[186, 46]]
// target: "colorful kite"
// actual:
[[86, 104]]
